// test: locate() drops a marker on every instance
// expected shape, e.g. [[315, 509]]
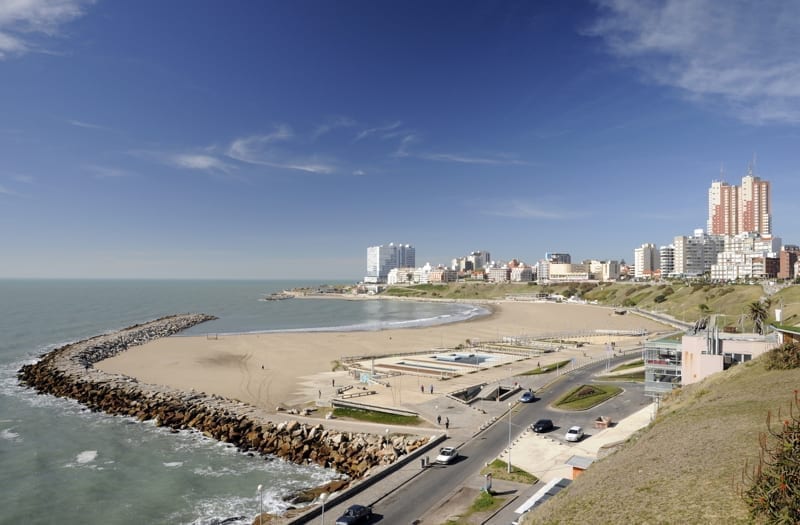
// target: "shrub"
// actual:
[[773, 494], [784, 357], [659, 298]]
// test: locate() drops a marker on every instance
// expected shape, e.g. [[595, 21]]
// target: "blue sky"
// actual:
[[195, 139]]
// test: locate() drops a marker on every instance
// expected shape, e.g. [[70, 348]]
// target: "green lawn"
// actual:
[[585, 397], [374, 416]]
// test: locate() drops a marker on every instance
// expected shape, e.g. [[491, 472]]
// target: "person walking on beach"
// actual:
[[447, 423], [422, 388], [431, 389], [438, 420]]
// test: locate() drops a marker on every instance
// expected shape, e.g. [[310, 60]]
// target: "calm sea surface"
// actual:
[[60, 462]]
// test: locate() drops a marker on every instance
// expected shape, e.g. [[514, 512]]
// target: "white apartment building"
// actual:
[[695, 255], [522, 274], [746, 256], [499, 275], [609, 271], [401, 276], [561, 272], [666, 260], [645, 261], [381, 259]]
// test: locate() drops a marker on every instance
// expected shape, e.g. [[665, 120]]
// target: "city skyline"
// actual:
[[278, 140]]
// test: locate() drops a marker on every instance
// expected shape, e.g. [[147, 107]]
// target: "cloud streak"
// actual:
[[261, 150], [87, 125], [21, 20], [463, 159], [381, 130], [738, 55], [195, 161]]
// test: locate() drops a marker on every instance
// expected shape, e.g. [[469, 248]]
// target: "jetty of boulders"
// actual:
[[68, 372]]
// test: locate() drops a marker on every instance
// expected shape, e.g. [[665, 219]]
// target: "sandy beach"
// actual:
[[268, 370]]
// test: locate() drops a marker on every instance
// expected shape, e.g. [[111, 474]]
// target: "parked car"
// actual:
[[574, 434], [355, 514], [527, 397], [543, 425], [447, 455]]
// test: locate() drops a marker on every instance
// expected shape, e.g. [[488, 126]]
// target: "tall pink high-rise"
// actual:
[[734, 209]]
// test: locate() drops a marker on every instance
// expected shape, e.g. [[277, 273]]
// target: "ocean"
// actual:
[[60, 462]]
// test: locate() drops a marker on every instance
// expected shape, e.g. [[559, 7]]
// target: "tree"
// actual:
[[758, 312]]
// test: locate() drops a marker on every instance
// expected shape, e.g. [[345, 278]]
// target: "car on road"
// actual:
[[354, 515], [543, 425], [447, 455], [574, 434], [527, 397]]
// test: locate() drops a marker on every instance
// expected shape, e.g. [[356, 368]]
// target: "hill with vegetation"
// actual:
[[687, 301], [692, 464]]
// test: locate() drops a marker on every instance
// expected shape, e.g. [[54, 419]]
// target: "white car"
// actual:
[[446, 455], [574, 434]]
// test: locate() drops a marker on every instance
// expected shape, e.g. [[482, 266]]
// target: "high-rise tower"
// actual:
[[734, 209]]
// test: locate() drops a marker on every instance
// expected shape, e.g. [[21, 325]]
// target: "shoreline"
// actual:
[[278, 370], [69, 372]]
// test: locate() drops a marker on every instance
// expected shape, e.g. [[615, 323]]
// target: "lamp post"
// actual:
[[260, 502], [322, 498], [509, 437]]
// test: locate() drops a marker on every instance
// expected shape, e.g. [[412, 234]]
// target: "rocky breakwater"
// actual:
[[68, 372]]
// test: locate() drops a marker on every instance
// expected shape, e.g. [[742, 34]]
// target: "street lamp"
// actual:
[[260, 502], [509, 437], [322, 498]]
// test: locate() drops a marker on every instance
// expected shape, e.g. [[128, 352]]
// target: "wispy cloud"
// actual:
[[518, 209], [261, 150], [359, 173], [405, 143], [5, 191], [463, 159], [25, 179], [336, 123], [380, 131], [196, 161], [739, 55], [87, 125], [22, 20], [106, 172]]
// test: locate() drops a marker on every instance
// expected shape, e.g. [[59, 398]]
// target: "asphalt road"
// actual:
[[409, 503]]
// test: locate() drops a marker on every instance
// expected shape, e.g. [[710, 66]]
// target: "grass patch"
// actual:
[[499, 470], [646, 481], [635, 376], [544, 369], [373, 416], [585, 397], [626, 366]]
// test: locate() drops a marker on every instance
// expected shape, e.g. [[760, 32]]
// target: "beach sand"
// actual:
[[290, 369]]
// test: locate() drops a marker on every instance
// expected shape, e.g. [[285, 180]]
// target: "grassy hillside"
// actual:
[[687, 302], [687, 466]]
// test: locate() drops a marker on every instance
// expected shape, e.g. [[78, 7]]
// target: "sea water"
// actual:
[[62, 463]]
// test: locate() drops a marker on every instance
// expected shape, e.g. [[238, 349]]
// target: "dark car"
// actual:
[[527, 397], [355, 514], [543, 425]]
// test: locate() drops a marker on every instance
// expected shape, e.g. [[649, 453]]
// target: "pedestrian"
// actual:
[[447, 423], [422, 388], [431, 389], [538, 365], [333, 382], [319, 394], [438, 420]]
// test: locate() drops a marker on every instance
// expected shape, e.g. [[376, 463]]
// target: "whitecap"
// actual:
[[87, 456], [8, 435], [173, 464]]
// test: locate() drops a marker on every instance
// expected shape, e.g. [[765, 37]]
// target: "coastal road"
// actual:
[[410, 502]]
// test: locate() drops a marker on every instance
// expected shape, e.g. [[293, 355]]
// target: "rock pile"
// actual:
[[68, 372]]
